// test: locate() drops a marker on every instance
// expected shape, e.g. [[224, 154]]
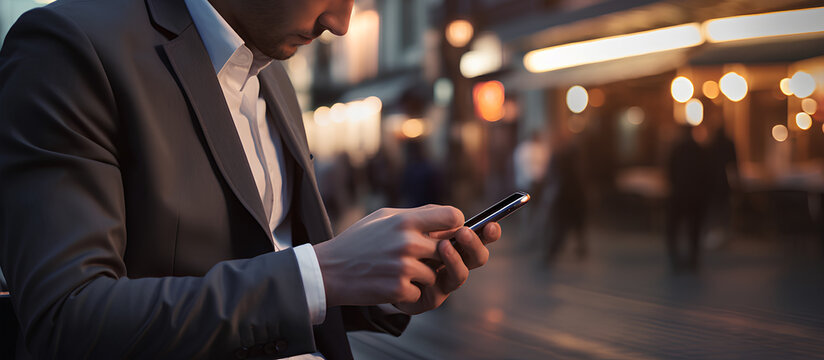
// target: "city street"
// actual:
[[752, 299]]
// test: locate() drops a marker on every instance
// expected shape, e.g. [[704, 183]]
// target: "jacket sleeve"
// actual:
[[63, 234]]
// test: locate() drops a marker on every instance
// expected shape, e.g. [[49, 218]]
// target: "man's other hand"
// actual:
[[379, 259]]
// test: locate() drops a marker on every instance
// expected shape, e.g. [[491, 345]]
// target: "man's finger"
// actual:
[[472, 250], [421, 274], [420, 247], [443, 234], [455, 272], [432, 218], [491, 233]]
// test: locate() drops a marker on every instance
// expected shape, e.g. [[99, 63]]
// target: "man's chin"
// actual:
[[283, 52]]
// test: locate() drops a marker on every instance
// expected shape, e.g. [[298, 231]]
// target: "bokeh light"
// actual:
[[577, 99], [489, 100], [373, 104], [784, 84], [459, 33], [802, 84], [682, 89], [412, 128], [597, 97], [710, 89], [780, 133], [635, 115], [803, 120], [695, 112], [733, 86], [322, 116], [809, 106], [338, 113]]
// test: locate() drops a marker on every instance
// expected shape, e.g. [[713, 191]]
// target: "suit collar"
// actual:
[[170, 15]]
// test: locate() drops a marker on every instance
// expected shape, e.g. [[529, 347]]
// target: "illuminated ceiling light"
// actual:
[[682, 89], [695, 112], [412, 128], [459, 32], [322, 116], [44, 1], [803, 120], [577, 99], [780, 133], [489, 100], [763, 25], [710, 89], [612, 48], [635, 115], [733, 86], [809, 106], [785, 86], [802, 84]]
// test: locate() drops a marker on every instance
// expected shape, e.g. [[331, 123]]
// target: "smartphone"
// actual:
[[494, 213]]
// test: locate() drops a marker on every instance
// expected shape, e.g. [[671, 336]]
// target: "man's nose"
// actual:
[[336, 18]]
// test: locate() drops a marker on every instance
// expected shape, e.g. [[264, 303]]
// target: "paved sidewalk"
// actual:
[[753, 299]]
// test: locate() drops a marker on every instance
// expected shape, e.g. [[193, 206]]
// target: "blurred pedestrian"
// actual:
[[529, 162], [688, 176], [723, 177], [563, 200], [421, 183]]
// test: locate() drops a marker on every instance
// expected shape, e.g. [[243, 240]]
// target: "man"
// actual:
[[152, 157]]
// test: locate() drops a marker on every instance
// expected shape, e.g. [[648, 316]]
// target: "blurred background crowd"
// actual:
[[674, 151]]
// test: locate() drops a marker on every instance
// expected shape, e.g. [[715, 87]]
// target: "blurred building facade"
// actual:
[[474, 78]]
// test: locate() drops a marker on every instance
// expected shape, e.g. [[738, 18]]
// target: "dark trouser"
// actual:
[[560, 228], [690, 216]]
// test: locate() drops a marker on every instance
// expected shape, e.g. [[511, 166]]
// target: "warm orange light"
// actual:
[[809, 106], [459, 32], [412, 128], [596, 97], [780, 133], [803, 120], [489, 100], [682, 89], [710, 89], [784, 84], [734, 86]]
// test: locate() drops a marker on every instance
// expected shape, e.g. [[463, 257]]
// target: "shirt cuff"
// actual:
[[312, 282], [390, 309]]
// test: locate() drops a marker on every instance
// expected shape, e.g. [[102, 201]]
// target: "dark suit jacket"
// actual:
[[130, 223]]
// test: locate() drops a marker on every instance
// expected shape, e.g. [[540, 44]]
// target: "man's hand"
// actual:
[[455, 269], [378, 259]]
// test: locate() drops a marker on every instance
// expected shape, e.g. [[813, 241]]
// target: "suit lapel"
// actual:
[[285, 114], [281, 109], [190, 61]]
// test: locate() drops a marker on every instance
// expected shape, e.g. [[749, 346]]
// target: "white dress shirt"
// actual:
[[237, 68]]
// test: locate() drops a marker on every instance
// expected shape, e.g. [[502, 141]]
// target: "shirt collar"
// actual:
[[220, 40]]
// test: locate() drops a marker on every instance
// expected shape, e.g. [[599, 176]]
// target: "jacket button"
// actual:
[[280, 346], [242, 353], [311, 157]]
